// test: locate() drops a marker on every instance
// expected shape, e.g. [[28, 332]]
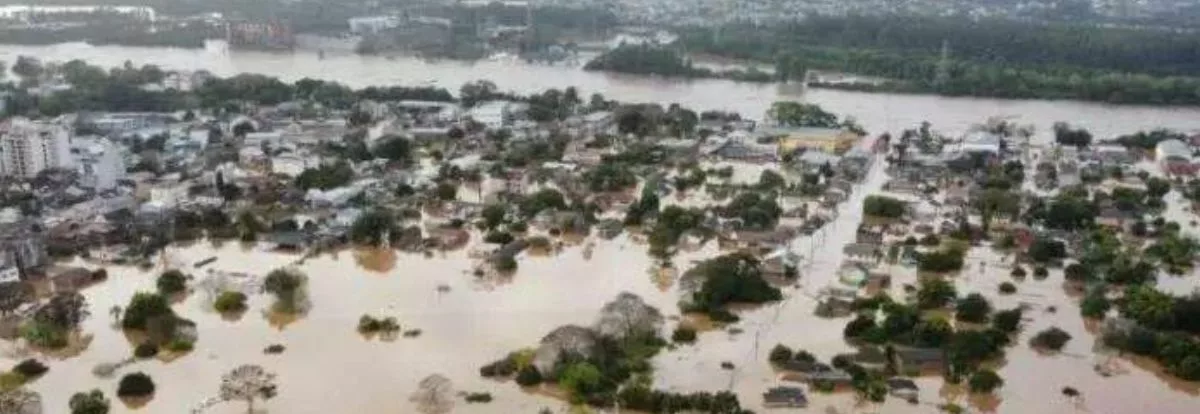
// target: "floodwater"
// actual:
[[467, 322], [328, 367], [877, 112]]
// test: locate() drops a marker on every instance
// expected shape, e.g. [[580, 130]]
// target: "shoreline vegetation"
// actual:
[[985, 58]]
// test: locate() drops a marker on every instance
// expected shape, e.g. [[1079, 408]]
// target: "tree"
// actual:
[[20, 401], [1094, 305], [13, 295], [472, 93], [1044, 249], [985, 381], [780, 354], [287, 286], [230, 302], [1149, 307], [434, 395], [144, 307], [446, 191], [883, 206], [393, 148], [802, 115], [1007, 321], [248, 383], [65, 310], [932, 332], [1064, 135], [731, 278], [172, 282], [935, 293], [370, 227], [27, 67], [493, 215], [1051, 338], [580, 379], [1078, 272], [771, 180], [135, 385], [92, 402], [974, 308]]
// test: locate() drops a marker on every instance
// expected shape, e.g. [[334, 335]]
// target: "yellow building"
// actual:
[[830, 140]]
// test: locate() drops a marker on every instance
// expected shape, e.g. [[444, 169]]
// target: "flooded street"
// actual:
[[467, 321]]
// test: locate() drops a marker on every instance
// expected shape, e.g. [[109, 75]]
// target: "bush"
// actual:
[[179, 345], [505, 264], [1018, 272], [1040, 273], [1052, 338], [145, 350], [947, 259], [1095, 305], [931, 240], [274, 349], [501, 368], [230, 302], [684, 334], [529, 376], [478, 397], [499, 237], [135, 385], [1076, 272], [985, 381], [1045, 249], [143, 307], [780, 354], [172, 282], [882, 206], [30, 368], [1008, 288], [1007, 321], [92, 402], [974, 308], [518, 227], [11, 380]]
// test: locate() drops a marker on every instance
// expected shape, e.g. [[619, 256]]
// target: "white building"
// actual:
[[496, 114], [9, 273], [372, 24], [100, 163], [28, 148], [1172, 150]]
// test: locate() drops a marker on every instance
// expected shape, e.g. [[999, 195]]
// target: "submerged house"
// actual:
[[789, 397], [919, 359]]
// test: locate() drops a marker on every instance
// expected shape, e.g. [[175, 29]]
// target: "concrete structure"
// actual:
[[980, 142], [830, 140], [28, 147], [9, 273], [100, 163], [21, 246], [495, 114]]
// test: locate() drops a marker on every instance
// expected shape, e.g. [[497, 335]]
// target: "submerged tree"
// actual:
[[434, 395], [248, 383], [20, 401]]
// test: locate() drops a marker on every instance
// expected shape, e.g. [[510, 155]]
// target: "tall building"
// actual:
[[30, 147], [100, 163]]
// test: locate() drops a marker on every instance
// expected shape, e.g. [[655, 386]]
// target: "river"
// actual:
[[876, 111]]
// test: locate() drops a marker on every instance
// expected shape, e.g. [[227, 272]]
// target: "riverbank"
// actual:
[[877, 111]]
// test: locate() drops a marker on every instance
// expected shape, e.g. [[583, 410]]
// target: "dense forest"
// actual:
[[984, 58], [644, 59]]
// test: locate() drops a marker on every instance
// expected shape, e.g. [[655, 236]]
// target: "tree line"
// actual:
[[998, 58]]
